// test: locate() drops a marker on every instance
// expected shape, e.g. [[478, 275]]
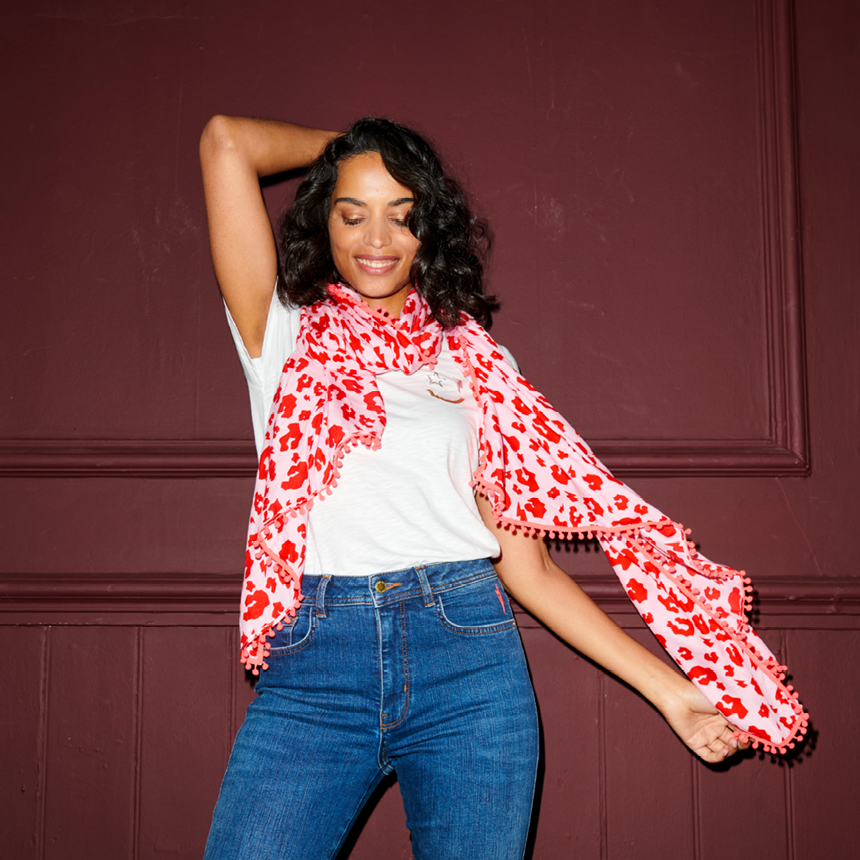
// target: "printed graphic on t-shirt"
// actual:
[[445, 388]]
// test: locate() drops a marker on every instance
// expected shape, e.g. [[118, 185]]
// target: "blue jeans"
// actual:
[[420, 671]]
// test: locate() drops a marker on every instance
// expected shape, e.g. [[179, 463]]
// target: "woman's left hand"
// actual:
[[700, 725]]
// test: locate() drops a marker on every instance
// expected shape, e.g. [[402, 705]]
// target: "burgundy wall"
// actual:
[[673, 189]]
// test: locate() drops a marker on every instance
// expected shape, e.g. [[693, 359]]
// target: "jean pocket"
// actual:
[[475, 608], [297, 633]]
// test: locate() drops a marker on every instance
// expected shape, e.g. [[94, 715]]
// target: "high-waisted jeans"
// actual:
[[420, 671]]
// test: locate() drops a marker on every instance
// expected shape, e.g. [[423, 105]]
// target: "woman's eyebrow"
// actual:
[[352, 201]]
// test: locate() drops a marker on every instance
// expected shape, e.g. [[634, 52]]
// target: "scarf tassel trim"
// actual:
[[669, 568], [255, 653], [665, 564]]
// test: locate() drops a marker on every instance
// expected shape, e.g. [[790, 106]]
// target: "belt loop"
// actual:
[[320, 598], [425, 586]]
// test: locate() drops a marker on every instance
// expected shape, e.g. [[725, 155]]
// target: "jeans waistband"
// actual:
[[393, 586]]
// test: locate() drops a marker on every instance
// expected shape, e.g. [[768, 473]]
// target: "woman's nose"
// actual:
[[378, 232]]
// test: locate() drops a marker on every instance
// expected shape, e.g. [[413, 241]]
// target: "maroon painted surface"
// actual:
[[673, 192]]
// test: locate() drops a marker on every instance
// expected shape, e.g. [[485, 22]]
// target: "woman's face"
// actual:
[[371, 245]]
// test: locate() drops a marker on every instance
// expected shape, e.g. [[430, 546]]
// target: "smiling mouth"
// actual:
[[377, 265]]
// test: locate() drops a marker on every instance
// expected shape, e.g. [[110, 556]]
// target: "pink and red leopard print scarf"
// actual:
[[537, 472]]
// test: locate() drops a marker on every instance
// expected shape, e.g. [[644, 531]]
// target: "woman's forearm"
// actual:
[[266, 146], [540, 586], [545, 590], [559, 603]]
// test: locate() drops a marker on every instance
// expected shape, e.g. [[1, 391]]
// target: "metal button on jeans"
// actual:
[[380, 586]]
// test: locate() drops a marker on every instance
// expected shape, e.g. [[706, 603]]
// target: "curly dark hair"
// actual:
[[448, 268]]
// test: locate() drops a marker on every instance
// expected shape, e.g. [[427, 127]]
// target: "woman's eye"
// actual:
[[400, 222], [352, 222]]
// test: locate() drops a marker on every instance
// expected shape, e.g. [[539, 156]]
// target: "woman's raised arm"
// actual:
[[547, 592], [234, 153]]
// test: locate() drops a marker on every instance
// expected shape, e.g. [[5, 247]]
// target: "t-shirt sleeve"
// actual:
[[509, 356], [264, 372]]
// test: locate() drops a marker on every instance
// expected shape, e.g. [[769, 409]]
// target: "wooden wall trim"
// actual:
[[783, 283], [784, 452], [196, 593], [108, 458], [60, 458]]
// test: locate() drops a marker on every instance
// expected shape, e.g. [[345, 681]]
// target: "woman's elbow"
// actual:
[[219, 134]]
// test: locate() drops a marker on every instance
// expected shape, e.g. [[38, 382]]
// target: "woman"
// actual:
[[364, 670]]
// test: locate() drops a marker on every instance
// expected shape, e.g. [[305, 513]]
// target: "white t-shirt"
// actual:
[[407, 503]]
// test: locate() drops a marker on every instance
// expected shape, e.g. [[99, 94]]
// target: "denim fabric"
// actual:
[[420, 671]]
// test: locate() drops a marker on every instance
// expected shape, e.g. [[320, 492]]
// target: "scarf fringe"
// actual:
[[769, 665], [668, 566], [659, 567], [257, 649], [255, 653]]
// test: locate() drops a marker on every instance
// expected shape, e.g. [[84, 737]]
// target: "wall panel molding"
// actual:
[[783, 281], [134, 458], [83, 599], [58, 458], [784, 452]]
